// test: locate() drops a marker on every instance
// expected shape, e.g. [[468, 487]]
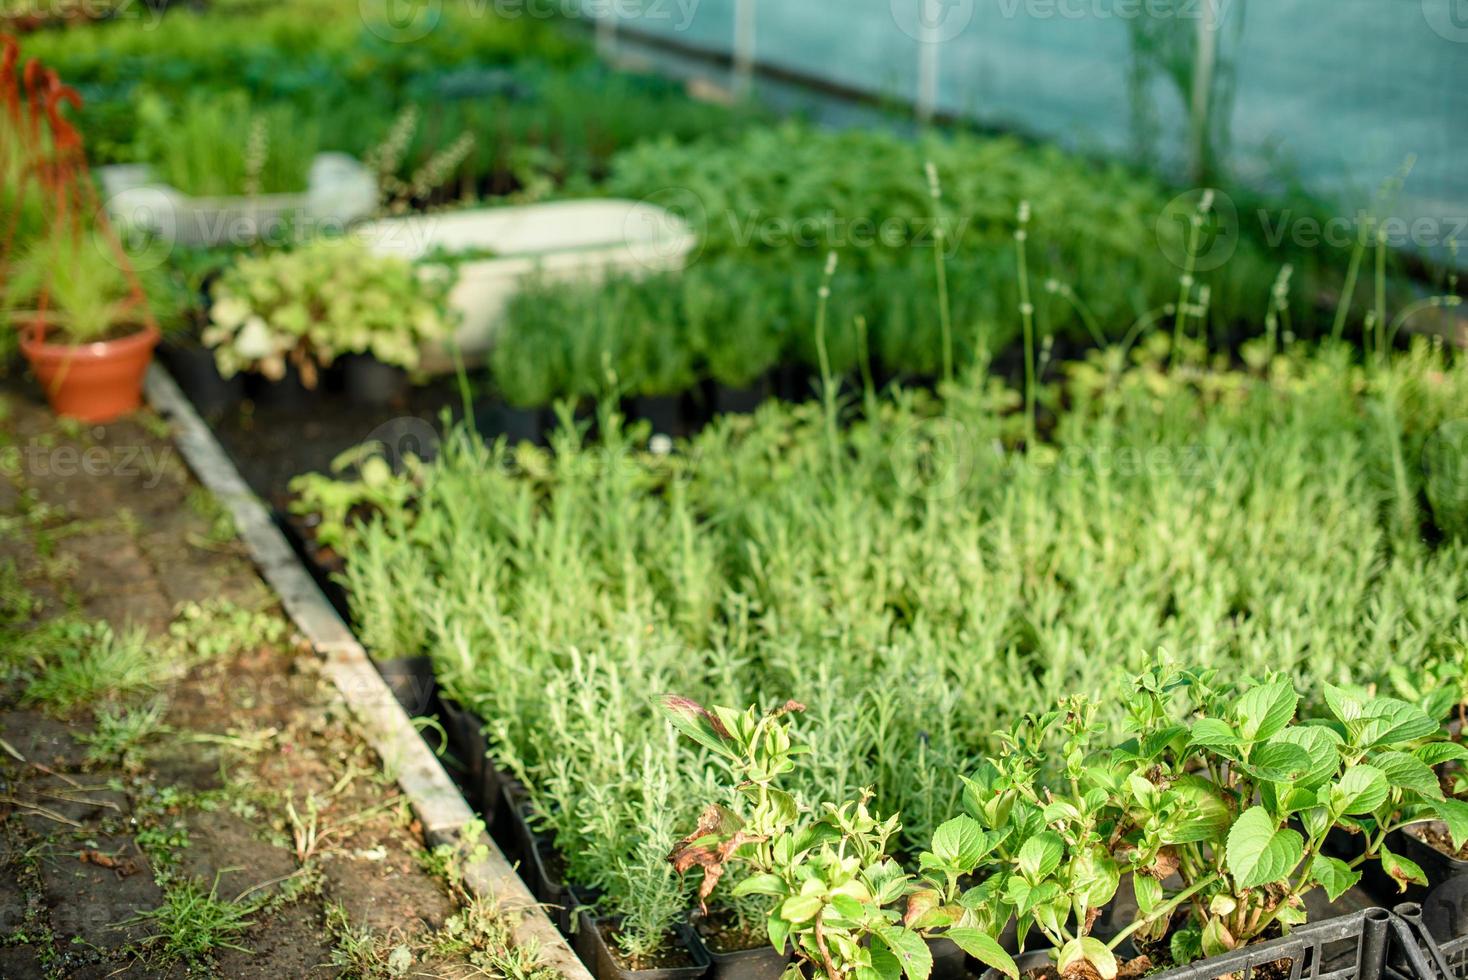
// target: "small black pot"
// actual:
[[741, 401], [949, 961], [466, 739], [1445, 912], [665, 412], [796, 382], [1353, 945], [1439, 868], [543, 870], [194, 368], [368, 381], [579, 897], [606, 965], [513, 830], [763, 962], [517, 425], [533, 846], [491, 795], [411, 681], [289, 394]]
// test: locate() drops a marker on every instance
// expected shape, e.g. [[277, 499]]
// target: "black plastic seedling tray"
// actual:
[[1439, 950], [1348, 947]]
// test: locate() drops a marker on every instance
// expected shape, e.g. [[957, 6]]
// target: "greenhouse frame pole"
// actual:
[[1205, 61], [930, 23], [606, 33], [745, 24]]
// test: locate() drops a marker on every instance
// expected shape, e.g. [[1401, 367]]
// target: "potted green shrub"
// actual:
[[741, 342], [218, 170], [291, 314], [85, 326], [826, 870], [66, 284], [1441, 689], [1219, 807]]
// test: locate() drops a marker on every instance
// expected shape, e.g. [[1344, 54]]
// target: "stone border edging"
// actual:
[[439, 805]]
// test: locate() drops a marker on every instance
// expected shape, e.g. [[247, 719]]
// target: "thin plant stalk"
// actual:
[[1353, 272], [1412, 309], [1088, 319], [828, 381], [945, 313], [864, 360], [1190, 265], [1279, 307], [1027, 318], [1380, 293], [461, 378]]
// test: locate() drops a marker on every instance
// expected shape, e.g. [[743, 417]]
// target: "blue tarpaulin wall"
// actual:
[[1334, 94]]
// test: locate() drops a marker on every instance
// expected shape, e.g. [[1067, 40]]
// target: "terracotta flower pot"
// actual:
[[96, 382]]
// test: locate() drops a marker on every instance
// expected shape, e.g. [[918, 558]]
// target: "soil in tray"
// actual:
[[673, 956], [551, 859], [272, 445], [1142, 966], [721, 933], [1438, 839]]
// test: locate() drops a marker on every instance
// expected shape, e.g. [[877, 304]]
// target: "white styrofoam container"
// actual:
[[340, 190], [562, 241]]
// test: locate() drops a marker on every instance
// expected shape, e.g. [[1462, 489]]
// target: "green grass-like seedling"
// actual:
[[75, 663], [121, 734], [192, 923]]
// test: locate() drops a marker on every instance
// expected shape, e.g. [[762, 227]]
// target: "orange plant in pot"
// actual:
[[66, 283]]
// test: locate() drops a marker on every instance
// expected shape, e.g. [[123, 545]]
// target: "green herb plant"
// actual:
[[553, 588], [216, 144], [828, 873], [332, 297], [336, 500], [61, 268], [1251, 840]]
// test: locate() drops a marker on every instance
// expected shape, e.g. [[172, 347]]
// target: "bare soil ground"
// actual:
[[189, 800]]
